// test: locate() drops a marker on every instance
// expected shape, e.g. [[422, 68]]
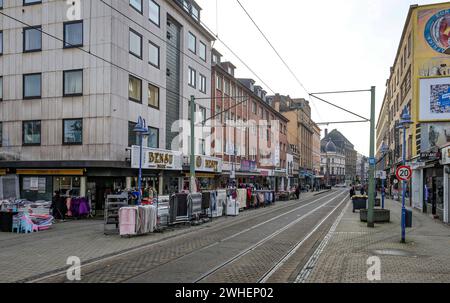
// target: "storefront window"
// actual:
[[69, 186]]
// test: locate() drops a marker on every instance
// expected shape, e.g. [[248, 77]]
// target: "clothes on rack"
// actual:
[[242, 197], [137, 220]]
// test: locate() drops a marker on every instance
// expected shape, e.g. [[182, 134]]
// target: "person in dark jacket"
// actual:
[[352, 191], [59, 207], [297, 192]]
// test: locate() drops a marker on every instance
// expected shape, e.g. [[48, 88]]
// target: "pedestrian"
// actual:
[[352, 191], [362, 191], [297, 192]]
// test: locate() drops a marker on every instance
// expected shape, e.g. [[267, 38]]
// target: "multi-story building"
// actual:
[[344, 145], [419, 81], [249, 135], [301, 130], [333, 163], [71, 98], [316, 153], [362, 169]]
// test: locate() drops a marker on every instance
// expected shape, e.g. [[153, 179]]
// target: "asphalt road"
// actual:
[[272, 245]]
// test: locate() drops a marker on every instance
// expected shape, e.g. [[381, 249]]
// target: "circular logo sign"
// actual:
[[198, 162], [404, 173], [437, 32]]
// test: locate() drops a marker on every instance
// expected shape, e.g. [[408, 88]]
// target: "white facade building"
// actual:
[[77, 75]]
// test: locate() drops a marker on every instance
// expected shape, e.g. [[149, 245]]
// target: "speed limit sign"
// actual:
[[404, 173]]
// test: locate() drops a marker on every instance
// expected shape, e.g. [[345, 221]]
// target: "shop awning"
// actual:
[[56, 172]]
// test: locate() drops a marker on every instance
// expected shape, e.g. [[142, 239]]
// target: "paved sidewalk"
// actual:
[[424, 258], [24, 256]]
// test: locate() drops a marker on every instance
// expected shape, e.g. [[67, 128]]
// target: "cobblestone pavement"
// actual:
[[424, 258], [27, 257], [186, 258]]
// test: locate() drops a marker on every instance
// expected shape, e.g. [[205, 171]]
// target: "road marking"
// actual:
[[294, 250], [312, 262], [254, 246]]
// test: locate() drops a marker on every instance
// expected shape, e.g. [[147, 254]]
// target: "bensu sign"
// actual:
[[153, 158]]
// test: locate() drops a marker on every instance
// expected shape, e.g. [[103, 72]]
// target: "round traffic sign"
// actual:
[[404, 173]]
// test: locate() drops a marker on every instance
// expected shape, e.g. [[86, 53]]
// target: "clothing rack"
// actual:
[[112, 205]]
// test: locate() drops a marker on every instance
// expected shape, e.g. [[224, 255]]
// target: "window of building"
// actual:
[[153, 96], [153, 54], [192, 77], [73, 83], [195, 13], [30, 2], [73, 131], [1, 4], [227, 86], [153, 137], [202, 146], [32, 39], [137, 5], [1, 88], [219, 84], [154, 12], [254, 107], [135, 89], [192, 43], [133, 138], [202, 84], [1, 42], [31, 132], [202, 114], [135, 44], [202, 51], [218, 114], [73, 34], [32, 86]]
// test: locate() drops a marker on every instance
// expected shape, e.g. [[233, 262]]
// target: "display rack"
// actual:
[[112, 205]]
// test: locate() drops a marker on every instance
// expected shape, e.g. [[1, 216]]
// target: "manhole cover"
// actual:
[[393, 252]]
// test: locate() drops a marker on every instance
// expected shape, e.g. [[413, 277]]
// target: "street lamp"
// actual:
[[404, 123], [141, 130], [384, 150]]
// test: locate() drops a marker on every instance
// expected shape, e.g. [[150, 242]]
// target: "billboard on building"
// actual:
[[434, 135], [432, 60]]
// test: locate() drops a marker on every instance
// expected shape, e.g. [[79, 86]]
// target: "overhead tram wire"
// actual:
[[277, 53]]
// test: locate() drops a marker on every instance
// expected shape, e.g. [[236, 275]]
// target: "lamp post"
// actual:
[[141, 130], [384, 149], [404, 123]]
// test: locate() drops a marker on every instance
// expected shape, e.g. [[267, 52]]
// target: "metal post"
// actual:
[[140, 170], [192, 151], [370, 221], [404, 188]]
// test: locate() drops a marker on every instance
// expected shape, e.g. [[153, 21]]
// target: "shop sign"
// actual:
[[248, 166], [208, 164], [446, 155], [156, 159], [430, 156]]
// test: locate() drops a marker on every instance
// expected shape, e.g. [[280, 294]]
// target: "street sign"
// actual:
[[372, 161], [404, 173]]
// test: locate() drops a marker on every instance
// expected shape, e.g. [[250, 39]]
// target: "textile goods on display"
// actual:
[[77, 207], [137, 220], [209, 202], [179, 208], [28, 223], [232, 206], [221, 202], [242, 197], [195, 202], [261, 198]]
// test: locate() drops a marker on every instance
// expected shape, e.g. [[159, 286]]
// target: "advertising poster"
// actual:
[[432, 57], [434, 135]]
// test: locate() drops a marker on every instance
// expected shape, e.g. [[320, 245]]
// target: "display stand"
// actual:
[[112, 205]]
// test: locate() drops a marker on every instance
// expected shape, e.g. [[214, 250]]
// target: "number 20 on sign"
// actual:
[[404, 173]]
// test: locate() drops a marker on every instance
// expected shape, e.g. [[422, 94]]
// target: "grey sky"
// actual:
[[330, 45]]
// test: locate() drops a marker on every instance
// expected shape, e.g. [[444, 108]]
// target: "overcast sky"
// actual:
[[329, 44]]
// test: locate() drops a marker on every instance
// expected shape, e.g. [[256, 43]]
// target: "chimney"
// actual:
[[326, 132]]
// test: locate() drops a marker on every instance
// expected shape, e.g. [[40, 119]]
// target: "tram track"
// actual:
[[133, 270], [263, 241]]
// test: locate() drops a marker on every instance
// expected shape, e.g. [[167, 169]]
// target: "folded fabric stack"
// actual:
[[137, 220]]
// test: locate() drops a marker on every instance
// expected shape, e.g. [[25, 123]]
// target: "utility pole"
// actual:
[[192, 186], [370, 219]]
